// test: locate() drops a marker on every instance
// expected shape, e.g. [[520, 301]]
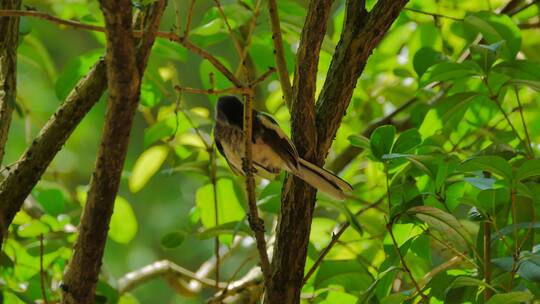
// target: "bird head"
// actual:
[[230, 111]]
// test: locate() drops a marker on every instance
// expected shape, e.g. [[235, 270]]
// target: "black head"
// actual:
[[230, 110]]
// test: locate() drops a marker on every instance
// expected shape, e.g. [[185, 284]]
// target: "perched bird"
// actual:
[[273, 151]]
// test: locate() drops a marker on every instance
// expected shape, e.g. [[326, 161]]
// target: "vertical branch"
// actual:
[[256, 223], [188, 19], [213, 180], [279, 53], [9, 40], [314, 130], [124, 73], [487, 259], [298, 198]]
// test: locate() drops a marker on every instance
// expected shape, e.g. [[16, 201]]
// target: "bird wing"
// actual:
[[271, 134], [235, 170]]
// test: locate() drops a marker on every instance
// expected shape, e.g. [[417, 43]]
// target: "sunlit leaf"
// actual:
[[123, 226], [229, 207], [510, 298], [146, 166]]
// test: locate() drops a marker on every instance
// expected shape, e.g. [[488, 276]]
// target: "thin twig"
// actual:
[[494, 98], [256, 223], [527, 137], [188, 18], [249, 35], [279, 53], [42, 271], [240, 90], [404, 264], [432, 14], [234, 39], [333, 242], [137, 34], [213, 180], [263, 77], [487, 259], [515, 255]]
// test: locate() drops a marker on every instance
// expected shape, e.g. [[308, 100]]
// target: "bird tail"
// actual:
[[322, 179]]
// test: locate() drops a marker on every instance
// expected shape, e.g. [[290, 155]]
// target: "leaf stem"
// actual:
[[487, 259]]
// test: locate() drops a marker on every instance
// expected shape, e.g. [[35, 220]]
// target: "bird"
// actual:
[[272, 150]]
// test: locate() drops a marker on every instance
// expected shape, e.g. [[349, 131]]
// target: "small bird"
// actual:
[[273, 151]]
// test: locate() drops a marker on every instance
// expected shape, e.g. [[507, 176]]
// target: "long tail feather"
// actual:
[[322, 179]]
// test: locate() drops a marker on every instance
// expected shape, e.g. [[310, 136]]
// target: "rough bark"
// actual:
[[28, 169], [297, 204], [362, 32], [124, 74], [9, 40]]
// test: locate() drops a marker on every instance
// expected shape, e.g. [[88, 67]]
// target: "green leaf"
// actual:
[[381, 140], [511, 297], [424, 58], [446, 71], [485, 55], [443, 222], [407, 141], [146, 166], [232, 228], [105, 293], [529, 266], [75, 69], [128, 298], [359, 141], [489, 199], [463, 281], [342, 208], [446, 113], [495, 28], [123, 226], [348, 270], [229, 207], [32, 229], [520, 72], [510, 229], [494, 164], [173, 239], [528, 168], [419, 161]]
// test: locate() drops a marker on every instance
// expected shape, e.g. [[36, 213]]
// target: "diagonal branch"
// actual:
[[362, 32], [124, 73], [31, 165], [279, 53]]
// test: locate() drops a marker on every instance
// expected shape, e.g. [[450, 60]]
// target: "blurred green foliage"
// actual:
[[449, 162]]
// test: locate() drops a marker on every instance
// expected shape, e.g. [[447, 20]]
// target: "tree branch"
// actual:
[[31, 165], [361, 33], [124, 73], [9, 40], [159, 269], [182, 40], [279, 53], [298, 198], [256, 223]]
